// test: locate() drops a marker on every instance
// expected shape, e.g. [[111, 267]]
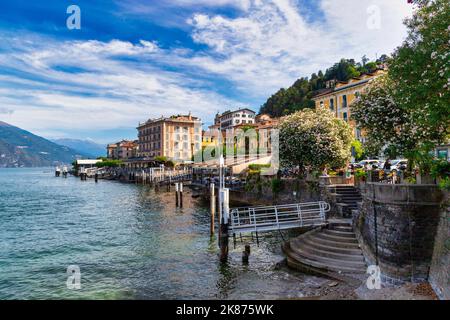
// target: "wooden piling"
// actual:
[[213, 208], [181, 194], [176, 193], [246, 254], [223, 242]]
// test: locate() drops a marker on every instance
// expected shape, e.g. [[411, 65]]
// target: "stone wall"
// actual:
[[293, 191], [396, 226], [440, 266]]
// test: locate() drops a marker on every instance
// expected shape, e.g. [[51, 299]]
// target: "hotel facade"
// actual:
[[338, 97], [176, 137]]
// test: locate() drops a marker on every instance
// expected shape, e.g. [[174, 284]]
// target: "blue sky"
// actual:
[[135, 59]]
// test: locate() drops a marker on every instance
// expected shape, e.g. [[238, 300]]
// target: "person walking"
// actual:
[[387, 165]]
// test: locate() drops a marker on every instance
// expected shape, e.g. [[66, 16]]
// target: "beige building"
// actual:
[[176, 137], [122, 150]]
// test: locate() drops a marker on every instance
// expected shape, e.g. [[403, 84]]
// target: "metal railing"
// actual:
[[279, 217]]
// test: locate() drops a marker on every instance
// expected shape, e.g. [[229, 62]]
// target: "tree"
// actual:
[[376, 112], [420, 72], [408, 112], [315, 139]]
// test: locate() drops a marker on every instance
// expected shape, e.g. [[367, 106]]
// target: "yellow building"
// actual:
[[340, 97]]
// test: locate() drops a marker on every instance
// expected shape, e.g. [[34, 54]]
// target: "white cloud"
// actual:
[[271, 45], [105, 91], [268, 44]]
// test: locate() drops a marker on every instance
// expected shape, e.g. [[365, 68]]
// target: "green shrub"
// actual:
[[277, 186], [360, 173], [440, 169], [109, 164], [444, 184], [258, 167]]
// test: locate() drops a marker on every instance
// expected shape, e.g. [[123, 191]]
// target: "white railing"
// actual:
[[279, 217]]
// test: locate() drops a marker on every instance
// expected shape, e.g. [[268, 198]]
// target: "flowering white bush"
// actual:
[[409, 110], [316, 139]]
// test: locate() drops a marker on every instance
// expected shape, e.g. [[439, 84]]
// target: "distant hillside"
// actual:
[[298, 96], [20, 148], [94, 150]]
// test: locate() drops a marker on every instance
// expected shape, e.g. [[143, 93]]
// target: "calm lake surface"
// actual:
[[129, 241]]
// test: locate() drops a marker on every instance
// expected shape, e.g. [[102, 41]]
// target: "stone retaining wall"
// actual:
[[397, 226], [440, 265]]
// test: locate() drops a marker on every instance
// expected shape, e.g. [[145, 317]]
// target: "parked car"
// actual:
[[374, 163], [399, 165]]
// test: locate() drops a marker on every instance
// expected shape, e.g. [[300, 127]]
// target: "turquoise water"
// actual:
[[129, 241]]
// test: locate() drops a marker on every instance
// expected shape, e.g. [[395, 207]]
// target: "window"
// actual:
[[177, 129], [344, 101], [237, 121], [185, 145], [345, 116], [442, 154], [185, 137], [321, 104], [332, 104], [185, 129]]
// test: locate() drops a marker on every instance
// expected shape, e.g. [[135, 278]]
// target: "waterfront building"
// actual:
[[338, 96], [230, 119], [122, 150], [177, 137]]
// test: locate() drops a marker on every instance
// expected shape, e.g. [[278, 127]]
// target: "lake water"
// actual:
[[129, 241]]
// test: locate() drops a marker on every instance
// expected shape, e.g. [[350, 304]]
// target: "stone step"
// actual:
[[338, 239], [332, 246], [329, 252], [345, 234], [298, 261], [336, 244], [333, 264], [347, 192], [351, 189], [341, 228], [349, 196]]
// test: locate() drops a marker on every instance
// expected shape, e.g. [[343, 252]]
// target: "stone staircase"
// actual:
[[331, 250], [346, 198]]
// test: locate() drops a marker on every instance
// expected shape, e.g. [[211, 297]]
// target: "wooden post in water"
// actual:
[[176, 193], [223, 241], [246, 254], [181, 194], [96, 177], [213, 207]]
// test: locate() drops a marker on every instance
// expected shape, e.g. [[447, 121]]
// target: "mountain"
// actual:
[[20, 148], [88, 147]]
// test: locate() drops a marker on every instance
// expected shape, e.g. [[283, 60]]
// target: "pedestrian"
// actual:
[[387, 165]]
